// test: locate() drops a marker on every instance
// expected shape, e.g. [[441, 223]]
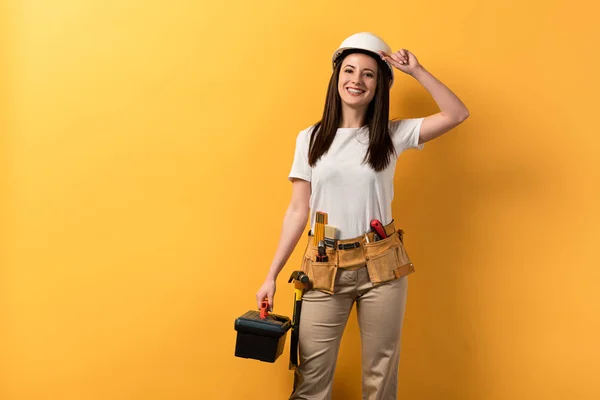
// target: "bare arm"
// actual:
[[294, 223], [293, 226], [452, 110]]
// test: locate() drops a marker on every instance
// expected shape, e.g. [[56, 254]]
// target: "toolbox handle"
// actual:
[[264, 309]]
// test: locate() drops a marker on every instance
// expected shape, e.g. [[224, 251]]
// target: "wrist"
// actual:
[[271, 277], [418, 71]]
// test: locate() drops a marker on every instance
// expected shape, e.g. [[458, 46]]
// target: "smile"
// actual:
[[355, 92]]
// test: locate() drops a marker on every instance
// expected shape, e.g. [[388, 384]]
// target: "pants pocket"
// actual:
[[321, 275], [382, 259]]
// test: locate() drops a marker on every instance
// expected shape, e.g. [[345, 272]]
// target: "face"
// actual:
[[358, 80]]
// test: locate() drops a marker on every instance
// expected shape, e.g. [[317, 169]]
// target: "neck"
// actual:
[[352, 117]]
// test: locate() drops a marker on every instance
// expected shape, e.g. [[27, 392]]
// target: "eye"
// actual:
[[348, 71], [370, 75]]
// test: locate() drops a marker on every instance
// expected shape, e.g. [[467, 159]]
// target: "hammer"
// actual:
[[300, 283], [298, 276]]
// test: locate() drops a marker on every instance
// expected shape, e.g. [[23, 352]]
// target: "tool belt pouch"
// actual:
[[387, 259], [321, 275], [405, 265]]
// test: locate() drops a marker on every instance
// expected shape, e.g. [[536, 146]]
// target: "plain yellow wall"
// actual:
[[145, 149]]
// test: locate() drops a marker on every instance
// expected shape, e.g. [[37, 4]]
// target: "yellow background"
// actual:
[[144, 153]]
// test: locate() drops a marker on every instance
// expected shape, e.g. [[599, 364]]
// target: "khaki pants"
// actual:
[[380, 314], [377, 283]]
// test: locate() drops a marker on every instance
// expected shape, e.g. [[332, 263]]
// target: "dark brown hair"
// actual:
[[381, 146]]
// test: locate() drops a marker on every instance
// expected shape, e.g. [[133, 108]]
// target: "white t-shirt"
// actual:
[[350, 192]]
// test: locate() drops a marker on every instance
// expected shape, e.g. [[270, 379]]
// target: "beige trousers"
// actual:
[[380, 311]]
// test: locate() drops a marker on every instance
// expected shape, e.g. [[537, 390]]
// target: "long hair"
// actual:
[[381, 147]]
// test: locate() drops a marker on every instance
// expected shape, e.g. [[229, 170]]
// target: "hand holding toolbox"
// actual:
[[260, 335]]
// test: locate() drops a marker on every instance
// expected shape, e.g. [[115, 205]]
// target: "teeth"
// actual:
[[355, 91]]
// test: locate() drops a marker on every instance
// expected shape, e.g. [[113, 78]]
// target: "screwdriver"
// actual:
[[377, 226]]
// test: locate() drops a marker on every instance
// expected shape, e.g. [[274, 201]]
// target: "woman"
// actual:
[[344, 166]]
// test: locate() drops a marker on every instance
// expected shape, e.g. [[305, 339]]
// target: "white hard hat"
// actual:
[[365, 41]]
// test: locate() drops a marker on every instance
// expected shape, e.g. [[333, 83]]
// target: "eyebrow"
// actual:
[[366, 69]]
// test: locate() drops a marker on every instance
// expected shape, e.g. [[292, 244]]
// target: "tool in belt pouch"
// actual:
[[319, 261], [321, 274]]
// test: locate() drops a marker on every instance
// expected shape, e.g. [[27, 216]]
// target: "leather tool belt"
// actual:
[[385, 259]]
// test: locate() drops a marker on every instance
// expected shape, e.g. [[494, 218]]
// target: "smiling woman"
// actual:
[[357, 82], [344, 167]]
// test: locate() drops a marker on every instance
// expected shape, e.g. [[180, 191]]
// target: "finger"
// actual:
[[386, 57], [397, 58], [389, 59], [403, 60], [271, 304], [392, 59], [259, 300]]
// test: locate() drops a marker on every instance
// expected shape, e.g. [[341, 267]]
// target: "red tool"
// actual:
[[264, 309], [377, 226]]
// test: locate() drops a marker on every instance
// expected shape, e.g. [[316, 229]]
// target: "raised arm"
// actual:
[[452, 110]]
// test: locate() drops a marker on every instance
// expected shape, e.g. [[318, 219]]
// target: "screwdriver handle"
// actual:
[[264, 309], [377, 226]]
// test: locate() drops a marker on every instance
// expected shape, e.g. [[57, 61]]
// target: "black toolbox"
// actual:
[[261, 336]]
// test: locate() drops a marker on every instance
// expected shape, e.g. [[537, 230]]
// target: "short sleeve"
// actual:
[[300, 168], [405, 134]]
